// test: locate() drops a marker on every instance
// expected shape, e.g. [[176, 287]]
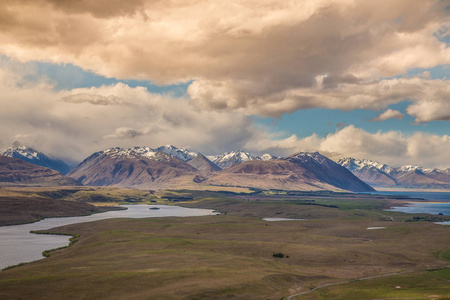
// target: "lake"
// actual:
[[424, 207], [432, 196], [18, 245], [438, 203]]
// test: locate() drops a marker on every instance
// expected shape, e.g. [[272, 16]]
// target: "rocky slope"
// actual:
[[203, 164]]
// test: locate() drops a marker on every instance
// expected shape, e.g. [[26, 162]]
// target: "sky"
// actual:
[[347, 78]]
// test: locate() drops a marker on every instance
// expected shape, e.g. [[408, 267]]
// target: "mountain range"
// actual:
[[229, 159], [381, 175], [302, 171], [167, 166], [140, 168]]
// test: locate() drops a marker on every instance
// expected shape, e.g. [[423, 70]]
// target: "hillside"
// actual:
[[14, 171], [203, 164]]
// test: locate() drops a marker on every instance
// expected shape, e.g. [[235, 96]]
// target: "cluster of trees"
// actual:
[[440, 218]]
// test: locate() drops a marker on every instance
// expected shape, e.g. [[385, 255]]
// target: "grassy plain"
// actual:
[[230, 256]]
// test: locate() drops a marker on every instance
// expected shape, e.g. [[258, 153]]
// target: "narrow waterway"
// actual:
[[18, 245]]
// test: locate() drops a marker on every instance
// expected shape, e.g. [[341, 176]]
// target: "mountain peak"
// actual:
[[231, 158], [328, 171], [359, 164], [117, 152], [203, 164], [306, 156], [30, 155], [267, 156], [180, 153]]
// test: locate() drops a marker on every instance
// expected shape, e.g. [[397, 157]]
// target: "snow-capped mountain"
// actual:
[[156, 154], [143, 167], [266, 157], [232, 158], [410, 176], [144, 151], [180, 153], [328, 171], [127, 168], [358, 164], [38, 158], [303, 171]]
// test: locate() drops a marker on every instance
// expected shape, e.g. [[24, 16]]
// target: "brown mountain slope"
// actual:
[[440, 175], [15, 171], [375, 177], [274, 174], [414, 179], [325, 170], [203, 164], [116, 167]]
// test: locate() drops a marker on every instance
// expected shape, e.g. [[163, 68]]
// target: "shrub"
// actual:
[[278, 255]]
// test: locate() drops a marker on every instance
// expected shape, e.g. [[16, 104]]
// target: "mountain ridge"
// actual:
[[408, 176], [15, 171], [127, 168]]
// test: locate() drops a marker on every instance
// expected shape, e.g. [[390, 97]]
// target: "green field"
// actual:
[[231, 256]]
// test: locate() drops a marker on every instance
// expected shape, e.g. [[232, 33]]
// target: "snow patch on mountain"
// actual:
[[232, 158], [180, 153], [358, 164], [266, 157]]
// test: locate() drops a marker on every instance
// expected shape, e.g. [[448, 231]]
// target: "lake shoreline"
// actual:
[[18, 243]]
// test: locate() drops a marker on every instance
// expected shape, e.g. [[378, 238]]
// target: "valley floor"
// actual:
[[237, 255]]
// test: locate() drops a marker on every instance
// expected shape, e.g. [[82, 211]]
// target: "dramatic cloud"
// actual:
[[240, 58], [388, 114], [255, 57], [390, 147], [71, 124], [429, 97]]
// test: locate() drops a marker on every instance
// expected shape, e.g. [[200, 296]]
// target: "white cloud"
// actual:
[[389, 147], [388, 114]]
